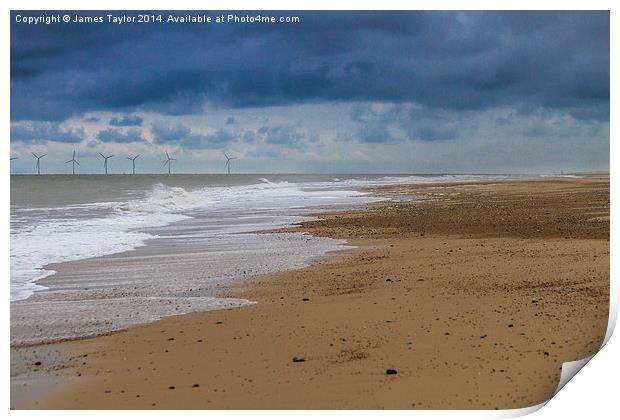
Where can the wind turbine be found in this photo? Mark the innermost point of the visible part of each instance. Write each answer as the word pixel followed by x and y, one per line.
pixel 12 159
pixel 227 164
pixel 168 161
pixel 133 164
pixel 73 162
pixel 39 162
pixel 105 162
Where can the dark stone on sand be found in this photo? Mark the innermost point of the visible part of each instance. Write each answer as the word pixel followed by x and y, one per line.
pixel 195 385
pixel 510 325
pixel 391 372
pixel 305 299
pixel 298 359
pixel 483 336
pixel 171 387
pixel 546 353
pixel 37 363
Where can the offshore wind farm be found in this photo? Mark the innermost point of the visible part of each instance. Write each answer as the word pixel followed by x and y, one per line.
pixel 73 162
pixel 167 162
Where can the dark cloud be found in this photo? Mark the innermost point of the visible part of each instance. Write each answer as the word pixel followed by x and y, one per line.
pixel 443 60
pixel 183 136
pixel 111 135
pixel 391 124
pixel 126 121
pixel 42 132
pixel 278 135
pixel 286 136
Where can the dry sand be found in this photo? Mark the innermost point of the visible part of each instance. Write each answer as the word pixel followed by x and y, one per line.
pixel 474 294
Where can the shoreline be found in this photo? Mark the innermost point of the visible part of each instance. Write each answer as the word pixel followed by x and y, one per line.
pixel 356 322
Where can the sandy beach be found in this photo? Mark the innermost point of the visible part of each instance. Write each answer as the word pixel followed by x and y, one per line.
pixel 458 296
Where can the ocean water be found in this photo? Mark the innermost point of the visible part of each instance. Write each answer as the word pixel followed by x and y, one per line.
pixel 166 244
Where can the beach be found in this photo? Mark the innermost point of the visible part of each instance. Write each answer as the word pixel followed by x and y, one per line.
pixel 466 295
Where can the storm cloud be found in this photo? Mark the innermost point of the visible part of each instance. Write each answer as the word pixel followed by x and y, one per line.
pixel 180 135
pixel 443 60
pixel 111 135
pixel 42 132
pixel 126 121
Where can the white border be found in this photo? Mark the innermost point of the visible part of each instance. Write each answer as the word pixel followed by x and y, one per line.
pixel 592 394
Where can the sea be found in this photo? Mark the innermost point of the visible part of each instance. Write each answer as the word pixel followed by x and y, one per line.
pixel 92 254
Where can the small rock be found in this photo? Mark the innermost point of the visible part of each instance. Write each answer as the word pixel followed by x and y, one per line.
pixel 195 386
pixel 305 299
pixel 391 372
pixel 37 363
pixel 298 359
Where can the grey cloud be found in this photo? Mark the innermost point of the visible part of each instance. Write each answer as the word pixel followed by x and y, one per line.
pixel 442 60
pixel 388 123
pixel 183 136
pixel 285 136
pixel 126 121
pixel 42 132
pixel 111 135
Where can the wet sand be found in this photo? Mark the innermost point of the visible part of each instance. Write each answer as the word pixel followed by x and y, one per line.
pixel 470 295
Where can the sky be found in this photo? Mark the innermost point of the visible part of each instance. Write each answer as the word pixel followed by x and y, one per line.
pixel 336 92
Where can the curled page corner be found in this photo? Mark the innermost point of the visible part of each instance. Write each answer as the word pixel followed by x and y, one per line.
pixel 570 369
pixel 519 412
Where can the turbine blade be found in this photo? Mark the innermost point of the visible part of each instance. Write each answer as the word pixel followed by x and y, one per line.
pixel 69 161
pixel 167 155
pixel 78 163
pixel 136 157
pixel 34 155
pixel 42 156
